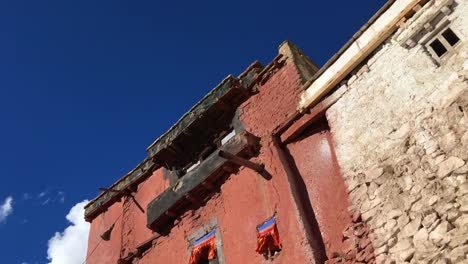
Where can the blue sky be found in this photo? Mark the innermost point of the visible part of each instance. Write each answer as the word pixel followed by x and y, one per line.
pixel 86 86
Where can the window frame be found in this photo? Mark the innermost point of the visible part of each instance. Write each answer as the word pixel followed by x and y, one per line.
pixel 200 232
pixel 437 35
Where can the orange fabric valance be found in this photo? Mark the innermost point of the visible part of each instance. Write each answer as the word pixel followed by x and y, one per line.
pixel 204 247
pixel 268 237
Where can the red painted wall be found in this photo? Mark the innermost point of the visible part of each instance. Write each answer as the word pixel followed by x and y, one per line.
pixel 275 103
pixel 238 215
pixel 134 231
pixel 246 199
pixel 315 161
pixel 130 224
pixel 100 251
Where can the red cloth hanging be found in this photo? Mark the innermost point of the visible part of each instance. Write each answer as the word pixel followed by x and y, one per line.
pixel 268 237
pixel 205 247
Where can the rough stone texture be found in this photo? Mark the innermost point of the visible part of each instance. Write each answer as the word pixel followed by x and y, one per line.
pixel 358 246
pixel 401 137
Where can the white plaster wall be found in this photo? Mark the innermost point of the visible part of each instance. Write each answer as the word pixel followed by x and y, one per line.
pixel 401 138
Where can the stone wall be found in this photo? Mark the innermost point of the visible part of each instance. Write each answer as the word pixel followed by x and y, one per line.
pixel 401 138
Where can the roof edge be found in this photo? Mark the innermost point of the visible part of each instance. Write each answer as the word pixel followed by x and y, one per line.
pixel 367 39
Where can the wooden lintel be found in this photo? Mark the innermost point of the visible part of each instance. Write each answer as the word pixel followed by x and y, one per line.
pixel 241 161
pixel 295 128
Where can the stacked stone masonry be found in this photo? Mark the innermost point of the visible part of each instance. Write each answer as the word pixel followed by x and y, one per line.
pixel 358 246
pixel 401 137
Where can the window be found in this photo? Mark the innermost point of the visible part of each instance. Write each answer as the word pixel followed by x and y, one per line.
pixel 204 250
pixel 438 48
pixel 206 261
pixel 451 37
pixel 268 241
pixel 442 44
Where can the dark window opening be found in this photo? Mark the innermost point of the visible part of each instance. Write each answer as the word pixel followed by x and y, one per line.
pixel 451 37
pixel 204 250
pixel 272 251
pixel 268 240
pixel 208 261
pixel 438 48
pixel 205 258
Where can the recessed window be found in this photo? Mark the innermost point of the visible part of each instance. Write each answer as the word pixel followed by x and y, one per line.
pixel 438 48
pixel 208 261
pixel 442 43
pixel 451 37
pixel 268 240
pixel 204 250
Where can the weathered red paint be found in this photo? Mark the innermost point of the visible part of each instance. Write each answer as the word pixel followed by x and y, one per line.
pixel 246 199
pixel 107 251
pixel 315 161
pixel 134 231
pixel 275 103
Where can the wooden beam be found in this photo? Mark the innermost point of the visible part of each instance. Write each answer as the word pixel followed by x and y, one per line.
pixel 241 161
pixel 229 169
pixel 137 203
pixel 359 50
pixel 315 113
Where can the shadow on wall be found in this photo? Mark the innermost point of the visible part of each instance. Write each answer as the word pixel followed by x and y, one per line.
pixel 315 237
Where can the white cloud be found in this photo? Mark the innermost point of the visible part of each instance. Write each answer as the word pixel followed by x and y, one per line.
pixel 69 246
pixel 48 197
pixel 6 208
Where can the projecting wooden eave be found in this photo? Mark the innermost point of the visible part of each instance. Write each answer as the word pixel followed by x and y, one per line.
pixel 197 185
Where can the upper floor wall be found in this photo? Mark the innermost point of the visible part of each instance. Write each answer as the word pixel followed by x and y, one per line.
pixel 236 193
